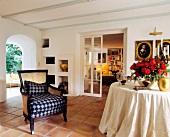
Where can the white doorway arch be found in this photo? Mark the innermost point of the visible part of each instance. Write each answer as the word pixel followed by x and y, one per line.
pixel 28 48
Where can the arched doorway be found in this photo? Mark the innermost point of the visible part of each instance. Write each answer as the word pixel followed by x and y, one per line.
pixel 28 48
pixel 13 63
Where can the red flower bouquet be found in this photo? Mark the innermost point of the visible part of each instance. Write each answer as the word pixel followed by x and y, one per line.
pixel 152 69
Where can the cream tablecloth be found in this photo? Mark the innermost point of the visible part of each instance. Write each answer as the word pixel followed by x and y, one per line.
pixel 131 113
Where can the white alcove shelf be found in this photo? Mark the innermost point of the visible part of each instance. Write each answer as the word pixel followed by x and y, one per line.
pixel 64 75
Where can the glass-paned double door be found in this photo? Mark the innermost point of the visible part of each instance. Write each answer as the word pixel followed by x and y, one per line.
pixel 93 59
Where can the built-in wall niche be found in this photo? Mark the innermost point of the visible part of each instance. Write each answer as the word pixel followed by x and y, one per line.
pixel 49 63
pixel 45 43
pixel 51 79
pixel 63 78
pixel 64 70
pixel 50 60
pixel 63 66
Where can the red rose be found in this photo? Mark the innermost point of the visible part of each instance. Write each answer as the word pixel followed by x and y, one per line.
pixel 143 70
pixel 142 64
pixel 163 66
pixel 152 62
pixel 146 67
pixel 160 71
pixel 148 71
pixel 138 64
pixel 151 59
pixel 152 68
pixel 137 74
pixel 146 64
pixel 133 66
pixel 156 65
pixel 143 61
pixel 158 61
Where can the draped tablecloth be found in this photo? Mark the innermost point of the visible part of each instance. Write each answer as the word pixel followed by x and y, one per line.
pixel 131 113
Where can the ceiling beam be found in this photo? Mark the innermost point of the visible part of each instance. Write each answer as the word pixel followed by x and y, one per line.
pixel 109 21
pixel 65 4
pixel 103 12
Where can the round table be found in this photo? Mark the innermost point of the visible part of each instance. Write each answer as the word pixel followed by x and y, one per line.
pixel 131 113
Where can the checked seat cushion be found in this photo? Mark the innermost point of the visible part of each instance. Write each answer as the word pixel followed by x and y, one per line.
pixel 46 104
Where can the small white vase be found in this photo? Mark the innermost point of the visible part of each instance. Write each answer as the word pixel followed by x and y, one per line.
pixel 140 82
pixel 153 85
pixel 143 82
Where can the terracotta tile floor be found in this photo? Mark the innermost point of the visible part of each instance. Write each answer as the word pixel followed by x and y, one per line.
pixel 84 114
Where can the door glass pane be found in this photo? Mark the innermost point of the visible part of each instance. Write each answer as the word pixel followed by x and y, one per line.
pixel 92 65
pixel 87 79
pixel 96 79
pixel 87 64
pixel 97 42
pixel 96 68
pixel 88 42
pixel 87 56
pixel 96 56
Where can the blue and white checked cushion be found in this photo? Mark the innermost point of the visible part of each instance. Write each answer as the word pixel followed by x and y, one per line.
pixel 46 104
pixel 33 88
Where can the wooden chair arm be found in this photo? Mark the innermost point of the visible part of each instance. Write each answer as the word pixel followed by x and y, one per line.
pixel 24 93
pixel 56 91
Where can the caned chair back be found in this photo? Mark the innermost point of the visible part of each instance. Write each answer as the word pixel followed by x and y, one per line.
pixel 37 76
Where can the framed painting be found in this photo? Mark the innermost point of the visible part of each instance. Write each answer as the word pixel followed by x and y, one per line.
pixel 144 49
pixel 163 49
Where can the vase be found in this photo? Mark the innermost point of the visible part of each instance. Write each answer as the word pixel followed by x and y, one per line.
pixel 143 82
pixel 64 67
pixel 153 85
pixel 164 84
pixel 150 85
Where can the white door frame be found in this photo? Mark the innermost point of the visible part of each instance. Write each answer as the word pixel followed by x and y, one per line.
pixel 101 32
pixel 92 48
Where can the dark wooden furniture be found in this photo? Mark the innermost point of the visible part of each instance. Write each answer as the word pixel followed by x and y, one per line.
pixel 108 80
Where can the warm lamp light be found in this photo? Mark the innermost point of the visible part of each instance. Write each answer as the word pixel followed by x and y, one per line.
pixel 105 69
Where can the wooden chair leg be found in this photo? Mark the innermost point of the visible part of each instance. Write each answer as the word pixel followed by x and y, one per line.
pixel 65 114
pixel 32 125
pixel 25 116
pixel 25 119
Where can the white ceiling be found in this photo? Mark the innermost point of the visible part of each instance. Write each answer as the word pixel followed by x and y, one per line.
pixel 49 14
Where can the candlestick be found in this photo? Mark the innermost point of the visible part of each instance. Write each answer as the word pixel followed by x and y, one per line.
pixel 158 50
pixel 161 43
pixel 168 50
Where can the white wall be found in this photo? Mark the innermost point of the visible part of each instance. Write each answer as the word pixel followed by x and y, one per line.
pixel 67 41
pixel 7 29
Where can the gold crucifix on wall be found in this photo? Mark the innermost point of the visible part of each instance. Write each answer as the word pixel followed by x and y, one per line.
pixel 154 33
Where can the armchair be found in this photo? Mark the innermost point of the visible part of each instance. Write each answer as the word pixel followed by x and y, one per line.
pixel 40 98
